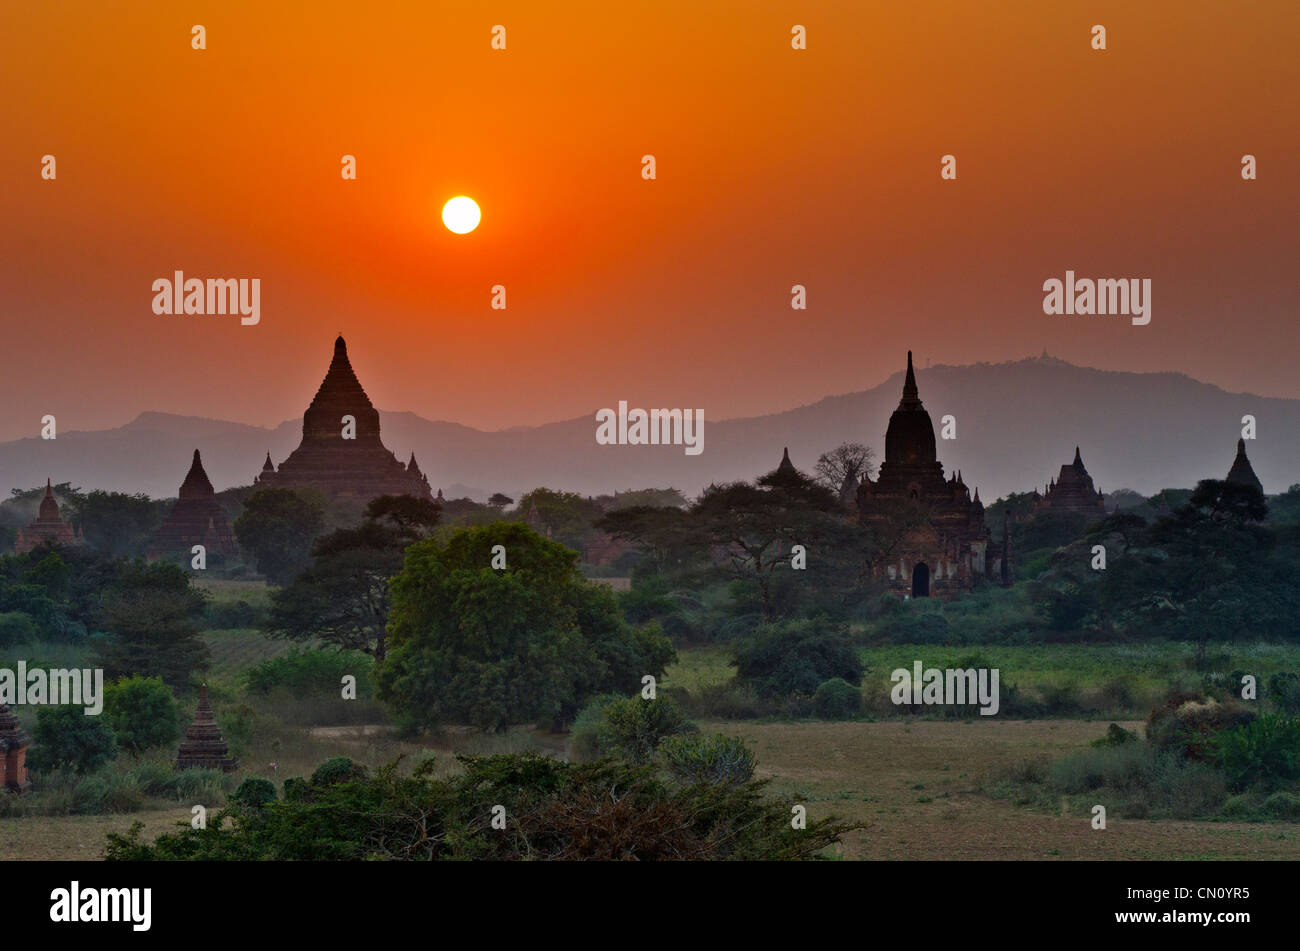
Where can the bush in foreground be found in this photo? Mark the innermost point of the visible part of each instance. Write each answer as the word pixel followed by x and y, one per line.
pixel 554 811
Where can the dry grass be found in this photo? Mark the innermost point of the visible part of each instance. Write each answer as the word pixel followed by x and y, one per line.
pixel 914 783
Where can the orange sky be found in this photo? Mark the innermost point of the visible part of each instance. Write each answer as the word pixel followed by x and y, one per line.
pixel 775 167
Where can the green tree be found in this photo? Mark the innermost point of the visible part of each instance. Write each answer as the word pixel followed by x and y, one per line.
pixel 152 614
pixel 492 647
pixel 143 713
pixel 342 597
pixel 278 526
pixel 67 738
pixel 118 524
pixel 796 657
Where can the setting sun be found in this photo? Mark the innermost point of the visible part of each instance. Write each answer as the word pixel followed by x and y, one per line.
pixel 461 215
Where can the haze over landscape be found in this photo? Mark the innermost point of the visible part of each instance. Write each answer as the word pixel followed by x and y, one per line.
pixel 1143 431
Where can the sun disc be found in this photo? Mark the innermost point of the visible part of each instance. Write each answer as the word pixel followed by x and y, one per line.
pixel 461 215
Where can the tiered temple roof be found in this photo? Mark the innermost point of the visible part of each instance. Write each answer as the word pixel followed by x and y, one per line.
pixel 203 747
pixel 48 528
pixel 197 518
pixel 359 468
pixel 1072 491
pixel 947 554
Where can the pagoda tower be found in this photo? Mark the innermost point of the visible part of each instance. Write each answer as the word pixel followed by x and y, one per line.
pixel 197 518
pixel 203 747
pixel 1242 472
pixel 13 753
pixel 1073 491
pixel 946 553
pixel 344 459
pixel 48 529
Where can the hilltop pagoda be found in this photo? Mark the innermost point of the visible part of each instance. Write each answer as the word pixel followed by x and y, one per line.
pixel 48 529
pixel 1242 473
pixel 341 454
pixel 13 753
pixel 197 518
pixel 203 747
pixel 1072 491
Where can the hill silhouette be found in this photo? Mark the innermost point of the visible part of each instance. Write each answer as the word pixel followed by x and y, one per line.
pixel 1017 423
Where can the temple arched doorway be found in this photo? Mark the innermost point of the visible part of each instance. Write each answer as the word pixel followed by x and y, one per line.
pixel 921 580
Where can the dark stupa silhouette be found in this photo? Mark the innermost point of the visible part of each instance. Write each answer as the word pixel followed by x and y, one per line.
pixel 197 518
pixel 1242 473
pixel 359 468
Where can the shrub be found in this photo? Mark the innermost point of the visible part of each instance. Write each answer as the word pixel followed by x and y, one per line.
pixel 717 759
pixel 339 769
pixel 17 628
pixel 1283 690
pixel 223 616
pixel 796 657
pixel 143 713
pixel 1186 722
pixel 589 736
pixel 311 672
pixel 1116 735
pixel 837 699
pixel 914 627
pixel 254 792
pixel 1282 805
pixel 201 786
pixel 1265 752
pixel 88 796
pixel 154 779
pixel 558 811
pixel 636 726
pixel 66 738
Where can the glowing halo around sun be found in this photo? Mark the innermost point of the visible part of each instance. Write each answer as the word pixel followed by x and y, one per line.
pixel 461 215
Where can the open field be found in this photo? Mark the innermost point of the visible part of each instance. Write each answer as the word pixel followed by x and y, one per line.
pixel 914 782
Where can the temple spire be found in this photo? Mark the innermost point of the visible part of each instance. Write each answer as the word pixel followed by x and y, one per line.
pixel 910 391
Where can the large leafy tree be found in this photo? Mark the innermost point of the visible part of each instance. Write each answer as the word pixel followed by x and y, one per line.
pixel 469 643
pixel 152 616
pixel 753 527
pixel 278 526
pixel 342 597
pixel 116 523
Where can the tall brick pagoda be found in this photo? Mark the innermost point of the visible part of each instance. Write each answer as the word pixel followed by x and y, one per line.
pixel 948 550
pixel 13 753
pixel 1072 491
pixel 360 468
pixel 48 529
pixel 1242 472
pixel 203 747
pixel 197 518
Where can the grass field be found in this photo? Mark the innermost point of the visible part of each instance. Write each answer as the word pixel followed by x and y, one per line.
pixel 914 784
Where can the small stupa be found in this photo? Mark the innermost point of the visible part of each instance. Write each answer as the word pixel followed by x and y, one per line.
pixel 203 747
pixel 48 529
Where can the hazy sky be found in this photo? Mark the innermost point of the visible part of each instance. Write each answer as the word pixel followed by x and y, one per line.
pixel 775 167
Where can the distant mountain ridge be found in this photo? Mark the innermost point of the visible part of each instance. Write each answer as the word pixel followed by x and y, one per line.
pixel 1017 423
